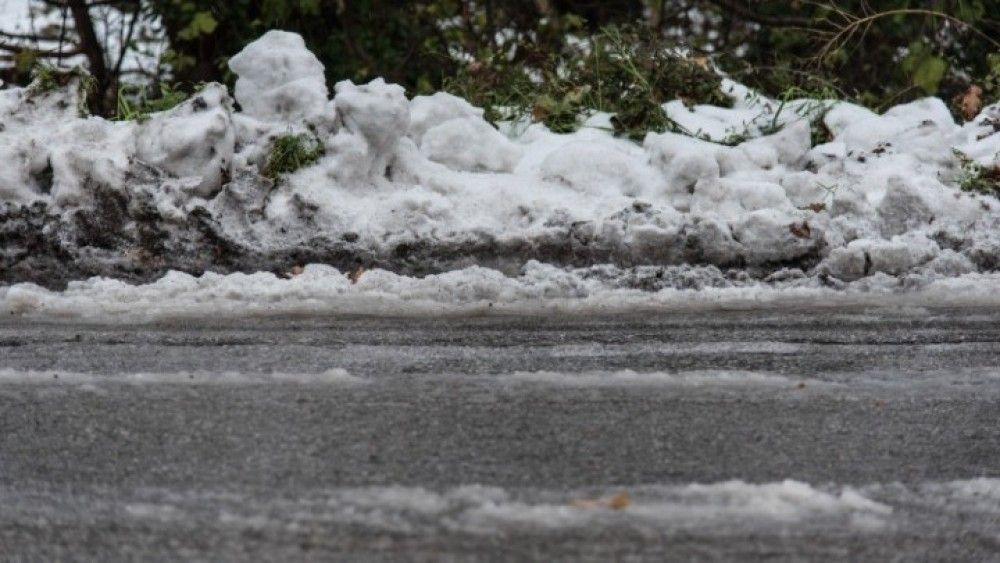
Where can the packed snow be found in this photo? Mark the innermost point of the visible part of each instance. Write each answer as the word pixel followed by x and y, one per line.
pixel 330 376
pixel 540 290
pixel 509 216
pixel 792 507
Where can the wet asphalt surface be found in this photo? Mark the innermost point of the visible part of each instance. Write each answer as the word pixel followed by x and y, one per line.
pixel 888 400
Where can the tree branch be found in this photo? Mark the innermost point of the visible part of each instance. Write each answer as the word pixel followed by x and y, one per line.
pixel 58 53
pixel 88 41
pixel 123 50
pixel 744 9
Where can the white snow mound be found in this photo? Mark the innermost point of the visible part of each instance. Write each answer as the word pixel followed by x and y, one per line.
pixel 881 198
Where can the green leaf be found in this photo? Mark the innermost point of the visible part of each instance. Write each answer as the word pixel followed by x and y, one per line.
pixel 929 73
pixel 202 23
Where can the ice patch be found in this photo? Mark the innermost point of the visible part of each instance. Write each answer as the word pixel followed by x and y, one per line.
pixel 331 376
pixel 698 378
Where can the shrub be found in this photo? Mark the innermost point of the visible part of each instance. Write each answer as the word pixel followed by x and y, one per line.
pixel 628 71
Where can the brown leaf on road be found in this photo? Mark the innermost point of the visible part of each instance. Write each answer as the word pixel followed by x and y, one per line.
pixel 617 501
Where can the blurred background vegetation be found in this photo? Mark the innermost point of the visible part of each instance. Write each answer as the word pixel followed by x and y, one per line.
pixel 544 57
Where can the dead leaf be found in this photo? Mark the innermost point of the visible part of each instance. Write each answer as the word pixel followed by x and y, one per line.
pixel 617 501
pixel 801 230
pixel 701 61
pixel 815 207
pixel 355 275
pixel 295 271
pixel 970 102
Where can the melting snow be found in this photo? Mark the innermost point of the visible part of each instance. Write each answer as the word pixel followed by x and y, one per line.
pixel 879 203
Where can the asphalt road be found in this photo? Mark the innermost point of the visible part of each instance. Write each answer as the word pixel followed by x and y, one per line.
pixel 504 438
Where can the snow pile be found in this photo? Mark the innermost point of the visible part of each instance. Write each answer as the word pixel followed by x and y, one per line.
pixel 540 290
pixel 425 185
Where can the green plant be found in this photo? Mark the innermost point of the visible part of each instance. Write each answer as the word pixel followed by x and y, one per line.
pixel 977 178
pixel 991 84
pixel 812 106
pixel 138 105
pixel 47 79
pixel 627 71
pixel 291 152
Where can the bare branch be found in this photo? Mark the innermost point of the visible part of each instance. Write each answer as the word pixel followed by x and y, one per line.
pixel 744 10
pixel 41 53
pixel 32 37
pixel 127 39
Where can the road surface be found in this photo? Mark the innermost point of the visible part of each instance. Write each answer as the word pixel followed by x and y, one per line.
pixel 862 435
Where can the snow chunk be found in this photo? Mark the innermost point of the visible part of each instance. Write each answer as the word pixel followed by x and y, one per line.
pixel 376 114
pixel 730 198
pixel 772 235
pixel 470 144
pixel 279 79
pixel 864 257
pixel 594 167
pixel 97 153
pixel 427 112
pixel 195 139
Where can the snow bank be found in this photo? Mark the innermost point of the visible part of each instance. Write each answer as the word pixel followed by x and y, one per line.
pixel 426 185
pixel 541 289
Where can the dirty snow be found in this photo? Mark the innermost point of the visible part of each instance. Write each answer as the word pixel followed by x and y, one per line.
pixel 704 509
pixel 540 290
pixel 426 186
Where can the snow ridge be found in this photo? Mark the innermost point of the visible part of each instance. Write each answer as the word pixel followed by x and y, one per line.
pixel 424 186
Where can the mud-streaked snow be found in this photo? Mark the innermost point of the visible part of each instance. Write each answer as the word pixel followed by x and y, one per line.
pixel 879 203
